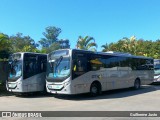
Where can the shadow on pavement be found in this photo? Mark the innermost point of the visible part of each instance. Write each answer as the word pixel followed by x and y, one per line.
pixel 3 91
pixel 33 95
pixel 119 93
pixel 111 94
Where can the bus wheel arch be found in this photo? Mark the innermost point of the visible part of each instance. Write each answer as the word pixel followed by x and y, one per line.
pixel 95 88
pixel 137 83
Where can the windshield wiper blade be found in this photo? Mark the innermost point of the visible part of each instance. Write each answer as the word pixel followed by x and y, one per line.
pixel 59 61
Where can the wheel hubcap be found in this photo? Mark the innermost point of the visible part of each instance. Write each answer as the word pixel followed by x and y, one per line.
pixel 137 84
pixel 94 89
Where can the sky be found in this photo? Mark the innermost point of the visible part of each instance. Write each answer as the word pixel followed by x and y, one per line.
pixel 105 20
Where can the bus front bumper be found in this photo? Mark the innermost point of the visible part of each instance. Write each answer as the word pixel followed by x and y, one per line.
pixel 59 89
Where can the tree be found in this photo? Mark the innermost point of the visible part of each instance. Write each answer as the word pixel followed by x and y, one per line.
pixel 64 43
pixel 51 36
pixel 156 46
pixel 86 43
pixel 50 41
pixel 5 47
pixel 139 47
pixel 105 47
pixel 123 45
pixel 20 43
pixel 130 45
pixel 54 46
pixel 113 46
pixel 4 42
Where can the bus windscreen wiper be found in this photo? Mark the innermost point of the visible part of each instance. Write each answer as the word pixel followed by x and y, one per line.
pixel 59 61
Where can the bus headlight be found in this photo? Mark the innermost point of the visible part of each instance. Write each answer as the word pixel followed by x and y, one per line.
pixel 158 79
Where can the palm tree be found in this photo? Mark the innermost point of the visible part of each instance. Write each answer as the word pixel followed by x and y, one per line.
pixel 105 47
pixel 130 45
pixel 86 43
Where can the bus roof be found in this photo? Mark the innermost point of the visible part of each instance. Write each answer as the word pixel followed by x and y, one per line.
pixel 30 53
pixel 114 54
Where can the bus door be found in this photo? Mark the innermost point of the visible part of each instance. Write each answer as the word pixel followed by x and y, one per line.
pixel 30 70
pixel 79 70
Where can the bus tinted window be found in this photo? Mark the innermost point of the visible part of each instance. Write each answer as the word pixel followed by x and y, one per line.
pixel 30 65
pixel 112 61
pixel 34 64
pixel 124 61
pixel 97 62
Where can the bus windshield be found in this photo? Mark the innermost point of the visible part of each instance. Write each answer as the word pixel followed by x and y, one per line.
pixel 58 68
pixel 15 69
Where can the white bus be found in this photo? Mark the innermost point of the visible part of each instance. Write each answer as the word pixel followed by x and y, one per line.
pixel 26 72
pixel 72 71
pixel 156 70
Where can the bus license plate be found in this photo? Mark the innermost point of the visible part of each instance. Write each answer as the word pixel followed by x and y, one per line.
pixel 56 86
pixel 11 85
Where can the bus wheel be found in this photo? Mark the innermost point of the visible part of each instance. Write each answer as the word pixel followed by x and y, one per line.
pixel 137 84
pixel 94 90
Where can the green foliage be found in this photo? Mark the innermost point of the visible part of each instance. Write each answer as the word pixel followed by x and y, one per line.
pixel 51 35
pixel 64 43
pixel 86 43
pixel 54 46
pixel 5 46
pixel 131 45
pixel 20 43
pixel 4 42
pixel 50 42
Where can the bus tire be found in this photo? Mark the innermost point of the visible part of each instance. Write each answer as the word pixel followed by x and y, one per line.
pixel 137 84
pixel 95 89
